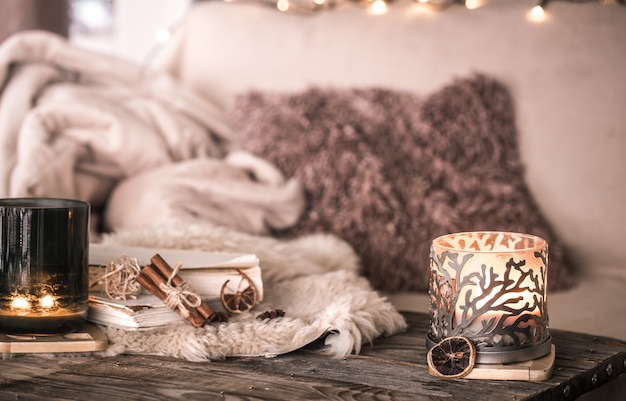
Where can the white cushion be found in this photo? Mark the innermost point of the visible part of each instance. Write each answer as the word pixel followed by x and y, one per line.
pixel 566 75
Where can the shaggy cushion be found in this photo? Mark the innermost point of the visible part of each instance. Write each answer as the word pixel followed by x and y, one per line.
pixel 388 171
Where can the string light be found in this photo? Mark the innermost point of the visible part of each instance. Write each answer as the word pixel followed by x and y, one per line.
pixel 473 4
pixel 378 7
pixel 282 5
pixel 537 13
pixel 381 6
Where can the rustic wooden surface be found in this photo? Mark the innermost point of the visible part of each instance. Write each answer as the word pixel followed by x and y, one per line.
pixel 391 369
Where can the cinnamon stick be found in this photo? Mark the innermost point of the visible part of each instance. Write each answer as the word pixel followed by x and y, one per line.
pixel 147 283
pixel 151 279
pixel 166 270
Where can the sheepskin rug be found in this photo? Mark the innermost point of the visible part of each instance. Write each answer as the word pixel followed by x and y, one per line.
pixel 314 279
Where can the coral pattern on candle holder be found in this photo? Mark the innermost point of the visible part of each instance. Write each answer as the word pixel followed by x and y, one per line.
pixel 490 287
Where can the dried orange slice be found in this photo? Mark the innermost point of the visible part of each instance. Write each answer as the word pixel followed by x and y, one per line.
pixel 452 358
pixel 237 300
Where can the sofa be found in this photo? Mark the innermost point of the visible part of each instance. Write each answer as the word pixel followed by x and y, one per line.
pixel 564 75
pixel 385 128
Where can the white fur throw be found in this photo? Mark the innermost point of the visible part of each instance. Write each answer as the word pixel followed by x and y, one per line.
pixel 314 279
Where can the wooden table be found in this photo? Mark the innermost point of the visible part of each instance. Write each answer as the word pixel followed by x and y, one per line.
pixel 392 368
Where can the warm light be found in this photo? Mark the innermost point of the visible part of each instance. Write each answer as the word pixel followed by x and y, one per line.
pixel 537 14
pixel 47 301
pixel 94 14
pixel 491 287
pixel 282 5
pixel 20 303
pixel 473 4
pixel 319 2
pixel 162 35
pixel 378 7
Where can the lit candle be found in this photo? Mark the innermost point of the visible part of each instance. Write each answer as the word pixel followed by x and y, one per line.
pixel 23 304
pixel 20 304
pixel 47 301
pixel 43 265
pixel 44 314
pixel 491 288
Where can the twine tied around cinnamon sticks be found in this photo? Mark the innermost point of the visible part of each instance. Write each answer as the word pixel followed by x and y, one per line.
pixel 179 298
pixel 165 283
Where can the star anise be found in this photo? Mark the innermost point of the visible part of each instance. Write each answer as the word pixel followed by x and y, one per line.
pixel 271 314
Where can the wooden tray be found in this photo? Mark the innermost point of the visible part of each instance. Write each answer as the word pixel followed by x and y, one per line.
pixel 90 338
pixel 534 370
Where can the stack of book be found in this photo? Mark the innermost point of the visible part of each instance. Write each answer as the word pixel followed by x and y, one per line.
pixel 206 272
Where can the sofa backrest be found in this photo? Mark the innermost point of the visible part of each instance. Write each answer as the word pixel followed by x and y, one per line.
pixel 566 75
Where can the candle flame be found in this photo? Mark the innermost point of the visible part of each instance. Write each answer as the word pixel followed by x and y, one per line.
pixel 47 301
pixel 20 303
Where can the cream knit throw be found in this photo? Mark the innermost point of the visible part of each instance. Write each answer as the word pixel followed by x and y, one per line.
pixel 313 279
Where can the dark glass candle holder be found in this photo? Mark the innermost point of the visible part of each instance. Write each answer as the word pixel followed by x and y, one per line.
pixel 44 265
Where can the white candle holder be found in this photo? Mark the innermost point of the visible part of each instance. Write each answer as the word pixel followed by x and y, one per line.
pixel 490 287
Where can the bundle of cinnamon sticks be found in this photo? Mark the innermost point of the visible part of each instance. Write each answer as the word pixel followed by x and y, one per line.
pixel 161 280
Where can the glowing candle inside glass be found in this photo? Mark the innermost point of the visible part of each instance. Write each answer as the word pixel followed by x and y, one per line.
pixel 47 302
pixel 23 305
pixel 44 247
pixel 20 304
pixel 491 288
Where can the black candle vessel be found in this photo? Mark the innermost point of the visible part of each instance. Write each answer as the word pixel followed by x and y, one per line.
pixel 44 262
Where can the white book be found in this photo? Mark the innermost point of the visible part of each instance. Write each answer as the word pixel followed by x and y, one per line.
pixel 206 272
pixel 144 312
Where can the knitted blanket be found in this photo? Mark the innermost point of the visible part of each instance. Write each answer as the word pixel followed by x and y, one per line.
pixel 131 141
pixel 389 171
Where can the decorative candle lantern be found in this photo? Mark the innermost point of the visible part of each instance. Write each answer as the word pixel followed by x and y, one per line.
pixel 490 287
pixel 44 262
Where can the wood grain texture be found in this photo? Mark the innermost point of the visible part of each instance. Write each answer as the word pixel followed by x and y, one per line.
pixel 391 368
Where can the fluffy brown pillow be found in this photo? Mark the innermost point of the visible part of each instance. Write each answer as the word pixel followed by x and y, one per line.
pixel 388 171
